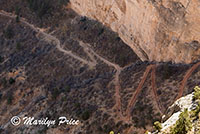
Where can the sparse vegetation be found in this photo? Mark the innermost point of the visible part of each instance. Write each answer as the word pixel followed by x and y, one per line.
pixel 77 105
pixel 11 81
pixel 55 93
pixel 183 124
pixel 1 59
pixel 4 82
pixel 85 115
pixel 195 112
pixel 40 7
pixel 167 71
pixel 17 10
pixel 17 19
pixel 107 128
pixel 8 32
pixel 9 98
pixel 43 130
pixel 63 2
pixel 196 97
pixel 196 93
pixel 157 126
pixel 18 46
pixel 67 89
pixel 0 96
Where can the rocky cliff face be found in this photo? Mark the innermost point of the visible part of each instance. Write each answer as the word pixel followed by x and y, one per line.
pixel 174 114
pixel 160 30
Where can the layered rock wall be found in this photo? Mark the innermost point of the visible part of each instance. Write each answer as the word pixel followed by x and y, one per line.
pixel 160 30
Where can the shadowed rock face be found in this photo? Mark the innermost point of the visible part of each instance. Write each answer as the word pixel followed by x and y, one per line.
pixel 160 30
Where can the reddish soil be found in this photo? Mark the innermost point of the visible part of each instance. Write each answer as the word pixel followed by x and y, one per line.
pixel 186 77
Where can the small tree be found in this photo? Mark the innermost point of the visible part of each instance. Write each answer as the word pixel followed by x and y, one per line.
pixel 55 93
pixel 1 59
pixel 86 115
pixel 11 81
pixel 8 32
pixel 4 82
pixel 9 98
pixel 157 126
pixel 18 46
pixel 196 111
pixel 17 19
pixel 112 132
pixel 40 7
pixel 196 93
pixel 17 10
pixel 183 124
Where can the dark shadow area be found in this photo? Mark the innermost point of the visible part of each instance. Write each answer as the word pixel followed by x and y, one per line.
pixel 44 82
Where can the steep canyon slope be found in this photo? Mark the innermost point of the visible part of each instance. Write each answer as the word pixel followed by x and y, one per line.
pixel 55 62
pixel 159 30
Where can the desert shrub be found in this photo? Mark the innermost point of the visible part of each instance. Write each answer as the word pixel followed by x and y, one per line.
pixel 183 124
pixel 11 81
pixel 42 131
pixel 167 72
pixel 17 10
pixel 18 46
pixel 195 112
pixel 85 115
pixel 1 130
pixel 17 19
pixel 4 82
pixel 8 32
pixel 1 96
pixel 101 32
pixel 157 126
pixel 63 2
pixel 107 128
pixel 77 105
pixel 196 93
pixel 9 98
pixel 67 89
pixel 55 93
pixel 1 59
pixel 40 7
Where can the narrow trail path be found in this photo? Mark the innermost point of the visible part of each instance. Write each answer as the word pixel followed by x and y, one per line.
pixel 87 50
pixel 138 90
pixel 154 88
pixel 116 82
pixel 49 38
pixel 186 77
pixel 94 56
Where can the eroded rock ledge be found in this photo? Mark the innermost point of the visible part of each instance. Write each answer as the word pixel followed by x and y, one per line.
pixel 160 30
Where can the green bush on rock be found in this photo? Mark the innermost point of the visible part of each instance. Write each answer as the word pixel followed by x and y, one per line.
pixel 183 124
pixel 196 93
pixel 157 126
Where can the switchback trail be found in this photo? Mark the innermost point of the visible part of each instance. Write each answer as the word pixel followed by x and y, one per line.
pixel 154 88
pixel 186 77
pixel 138 90
pixel 92 54
pixel 116 82
pixel 87 48
pixel 49 38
